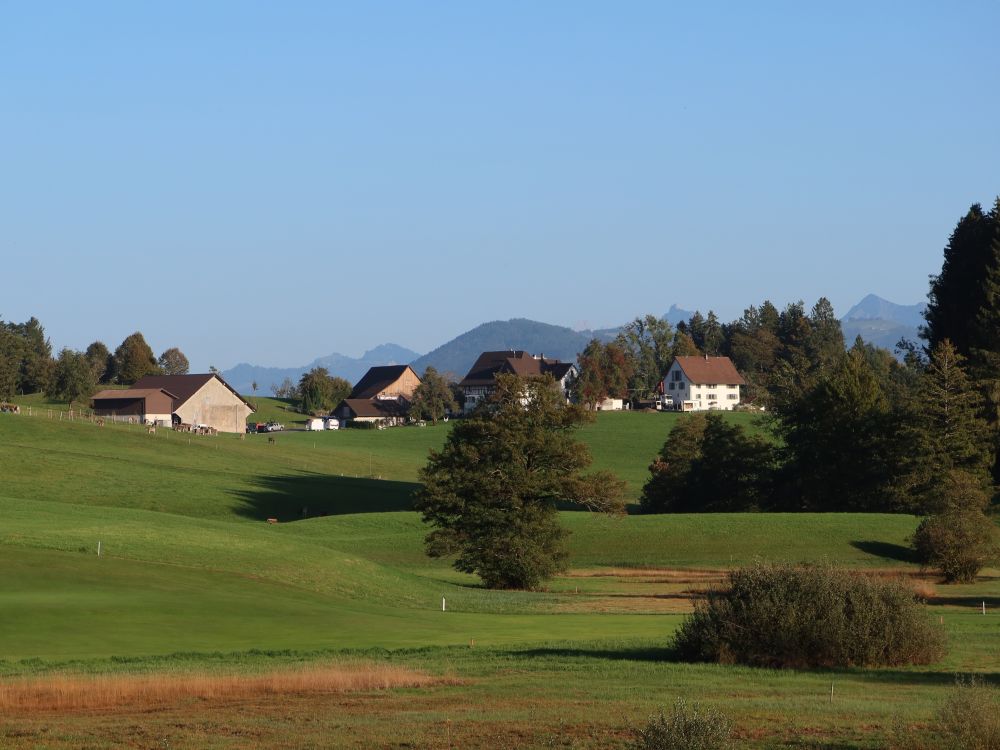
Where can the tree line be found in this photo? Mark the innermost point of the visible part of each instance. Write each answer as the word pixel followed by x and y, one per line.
pixel 860 430
pixel 778 352
pixel 27 364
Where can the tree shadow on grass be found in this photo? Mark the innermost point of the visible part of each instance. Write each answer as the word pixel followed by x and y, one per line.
pixel 886 550
pixel 667 654
pixel 291 497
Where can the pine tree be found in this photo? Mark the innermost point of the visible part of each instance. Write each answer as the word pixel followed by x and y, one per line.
pixel 841 439
pixel 955 298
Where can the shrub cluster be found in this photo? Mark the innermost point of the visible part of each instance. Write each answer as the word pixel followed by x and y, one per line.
pixel 686 727
pixel 809 616
pixel 969 719
pixel 959 543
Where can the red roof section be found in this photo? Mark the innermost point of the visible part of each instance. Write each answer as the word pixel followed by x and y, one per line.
pixel 710 370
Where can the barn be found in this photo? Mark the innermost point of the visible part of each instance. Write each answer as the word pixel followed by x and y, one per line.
pixel 201 400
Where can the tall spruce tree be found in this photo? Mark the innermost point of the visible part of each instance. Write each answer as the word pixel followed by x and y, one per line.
pixel 956 298
pixel 945 435
pixel 840 439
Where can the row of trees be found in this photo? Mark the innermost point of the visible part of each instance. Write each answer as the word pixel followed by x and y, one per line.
pixel 779 353
pixel 27 364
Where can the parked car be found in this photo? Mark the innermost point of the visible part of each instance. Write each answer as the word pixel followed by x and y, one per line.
pixel 332 423
pixel 314 424
pixel 274 427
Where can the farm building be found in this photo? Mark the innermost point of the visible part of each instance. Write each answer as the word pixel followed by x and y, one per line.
pixel 382 395
pixel 702 383
pixel 193 399
pixel 480 382
pixel 145 405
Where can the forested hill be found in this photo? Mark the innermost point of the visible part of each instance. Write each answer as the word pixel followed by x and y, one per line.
pixel 459 354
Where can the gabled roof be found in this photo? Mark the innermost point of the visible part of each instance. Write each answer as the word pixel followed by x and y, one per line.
pixel 378 379
pixel 366 407
pixel 184 386
pixel 490 364
pixel 127 394
pixel 710 370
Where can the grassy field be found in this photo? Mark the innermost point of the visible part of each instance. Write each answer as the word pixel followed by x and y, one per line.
pixel 192 578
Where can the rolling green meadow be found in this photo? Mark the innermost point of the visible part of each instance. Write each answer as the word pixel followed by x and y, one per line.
pixel 192 577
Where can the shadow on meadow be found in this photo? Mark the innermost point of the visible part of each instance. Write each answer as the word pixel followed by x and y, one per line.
pixel 291 497
pixel 886 551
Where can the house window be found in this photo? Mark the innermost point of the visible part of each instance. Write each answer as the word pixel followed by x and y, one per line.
pixel 733 396
pixel 709 395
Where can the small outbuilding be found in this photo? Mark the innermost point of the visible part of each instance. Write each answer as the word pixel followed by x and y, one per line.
pixel 144 405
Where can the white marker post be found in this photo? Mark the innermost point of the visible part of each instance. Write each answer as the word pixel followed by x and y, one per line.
pixel 444 605
pixel 98 547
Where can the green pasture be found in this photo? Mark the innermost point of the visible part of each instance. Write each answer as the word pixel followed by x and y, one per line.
pixel 191 574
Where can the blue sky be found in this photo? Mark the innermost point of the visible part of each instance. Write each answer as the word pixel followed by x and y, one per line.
pixel 271 182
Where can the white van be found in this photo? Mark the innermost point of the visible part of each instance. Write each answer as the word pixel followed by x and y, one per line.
pixel 314 424
pixel 332 423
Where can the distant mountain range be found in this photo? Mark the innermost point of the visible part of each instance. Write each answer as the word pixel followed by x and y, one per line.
pixel 882 323
pixel 875 319
pixel 242 376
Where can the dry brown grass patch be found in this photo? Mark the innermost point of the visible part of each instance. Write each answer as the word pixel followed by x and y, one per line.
pixel 74 692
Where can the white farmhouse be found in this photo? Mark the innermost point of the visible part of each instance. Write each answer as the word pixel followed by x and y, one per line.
pixel 702 383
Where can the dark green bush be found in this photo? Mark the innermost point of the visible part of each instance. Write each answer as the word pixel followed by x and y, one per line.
pixel 809 616
pixel 958 543
pixel 686 727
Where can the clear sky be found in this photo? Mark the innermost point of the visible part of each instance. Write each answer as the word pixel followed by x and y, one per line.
pixel 271 182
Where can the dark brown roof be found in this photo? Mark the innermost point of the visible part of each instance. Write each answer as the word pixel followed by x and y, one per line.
pixel 491 364
pixel 378 379
pixel 710 370
pixel 373 407
pixel 183 386
pixel 126 394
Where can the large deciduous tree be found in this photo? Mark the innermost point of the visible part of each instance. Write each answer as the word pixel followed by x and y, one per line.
pixel 100 360
pixel 134 359
pixel 73 378
pixel 491 493
pixel 173 362
pixel 648 343
pixel 605 370
pixel 319 391
pixel 433 399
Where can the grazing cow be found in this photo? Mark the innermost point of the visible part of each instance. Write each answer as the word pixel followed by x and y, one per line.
pixel 270 441
pixel 151 430
pixel 100 423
